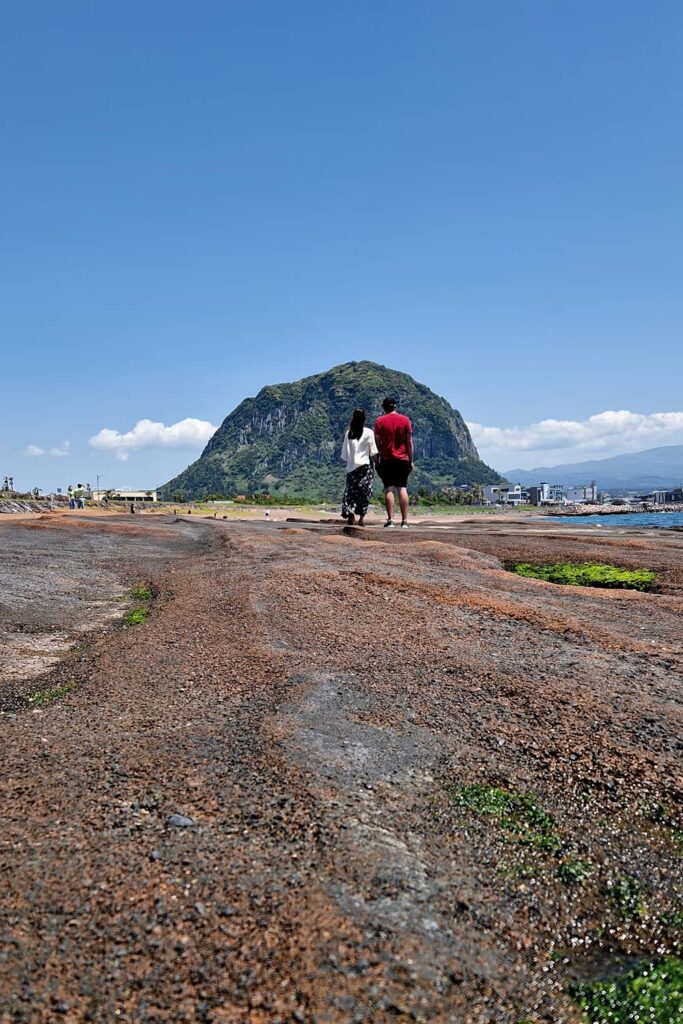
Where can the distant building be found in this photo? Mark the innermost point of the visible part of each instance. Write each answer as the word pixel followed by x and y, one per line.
pixel 583 493
pixel 123 494
pixel 505 494
pixel 546 494
pixel 673 497
pixel 653 498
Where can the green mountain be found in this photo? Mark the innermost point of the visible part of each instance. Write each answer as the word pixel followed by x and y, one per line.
pixel 288 439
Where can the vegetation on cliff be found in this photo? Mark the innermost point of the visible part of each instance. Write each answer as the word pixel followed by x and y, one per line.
pixel 287 439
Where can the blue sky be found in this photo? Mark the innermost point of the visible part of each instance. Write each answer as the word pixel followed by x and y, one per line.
pixel 198 200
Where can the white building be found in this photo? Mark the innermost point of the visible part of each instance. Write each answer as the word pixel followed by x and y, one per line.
pixel 547 494
pixel 505 494
pixel 583 493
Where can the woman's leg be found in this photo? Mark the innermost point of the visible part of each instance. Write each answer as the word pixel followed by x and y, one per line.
pixel 348 502
pixel 364 494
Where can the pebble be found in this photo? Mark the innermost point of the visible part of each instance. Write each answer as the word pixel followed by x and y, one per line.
pixel 179 820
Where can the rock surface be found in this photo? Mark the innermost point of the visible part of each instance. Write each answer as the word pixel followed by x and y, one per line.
pixel 312 698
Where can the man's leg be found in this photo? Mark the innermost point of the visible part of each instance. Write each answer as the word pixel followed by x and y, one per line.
pixel 389 501
pixel 404 502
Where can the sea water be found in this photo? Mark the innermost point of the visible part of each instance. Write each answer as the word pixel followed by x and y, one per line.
pixel 664 520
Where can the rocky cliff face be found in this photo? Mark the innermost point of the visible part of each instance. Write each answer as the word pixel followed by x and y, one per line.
pixel 288 438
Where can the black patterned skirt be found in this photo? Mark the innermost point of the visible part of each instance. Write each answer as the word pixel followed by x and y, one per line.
pixel 358 491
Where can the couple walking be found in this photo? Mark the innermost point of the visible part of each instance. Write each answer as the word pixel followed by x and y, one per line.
pixel 390 448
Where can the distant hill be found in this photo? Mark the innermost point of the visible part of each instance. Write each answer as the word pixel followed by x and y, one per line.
pixel 288 438
pixel 635 471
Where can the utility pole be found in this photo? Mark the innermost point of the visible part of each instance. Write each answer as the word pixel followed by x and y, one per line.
pixel 99 475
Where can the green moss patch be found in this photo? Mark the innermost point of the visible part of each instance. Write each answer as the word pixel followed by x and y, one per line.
pixel 573 871
pixel 519 814
pixel 588 574
pixel 651 993
pixel 142 592
pixel 136 616
pixel 42 697
pixel 627 894
pixel 668 818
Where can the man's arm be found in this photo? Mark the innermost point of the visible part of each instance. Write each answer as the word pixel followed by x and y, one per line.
pixel 409 443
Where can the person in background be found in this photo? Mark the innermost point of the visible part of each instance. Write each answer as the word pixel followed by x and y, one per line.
pixel 394 436
pixel 358 452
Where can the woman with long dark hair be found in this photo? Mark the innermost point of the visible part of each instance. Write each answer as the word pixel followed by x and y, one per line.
pixel 358 452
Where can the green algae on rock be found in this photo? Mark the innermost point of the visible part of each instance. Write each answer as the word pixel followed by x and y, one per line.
pixel 42 697
pixel 136 616
pixel 651 993
pixel 517 813
pixel 588 574
pixel 627 893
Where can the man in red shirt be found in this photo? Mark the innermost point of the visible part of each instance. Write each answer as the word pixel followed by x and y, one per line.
pixel 394 437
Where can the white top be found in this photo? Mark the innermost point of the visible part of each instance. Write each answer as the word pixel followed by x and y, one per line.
pixel 358 452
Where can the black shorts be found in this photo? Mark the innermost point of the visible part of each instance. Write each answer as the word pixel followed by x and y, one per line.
pixel 394 472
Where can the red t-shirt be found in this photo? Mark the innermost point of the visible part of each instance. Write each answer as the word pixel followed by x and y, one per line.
pixel 392 432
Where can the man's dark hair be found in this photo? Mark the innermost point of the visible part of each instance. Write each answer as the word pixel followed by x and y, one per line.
pixel 389 404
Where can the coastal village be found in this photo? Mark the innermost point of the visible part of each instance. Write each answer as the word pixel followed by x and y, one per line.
pixel 557 495
pixel 578 498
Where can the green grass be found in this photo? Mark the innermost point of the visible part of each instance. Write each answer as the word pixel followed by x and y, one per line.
pixel 672 919
pixel 136 616
pixel 37 700
pixel 573 871
pixel 519 814
pixel 627 895
pixel 142 592
pixel 651 993
pixel 669 818
pixel 589 574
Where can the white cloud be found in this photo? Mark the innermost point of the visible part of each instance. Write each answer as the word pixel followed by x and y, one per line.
pixel 606 433
pixel 58 452
pixel 188 433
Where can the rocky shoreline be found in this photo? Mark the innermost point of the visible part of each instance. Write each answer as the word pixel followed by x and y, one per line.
pixel 610 510
pixel 15 506
pixel 232 814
